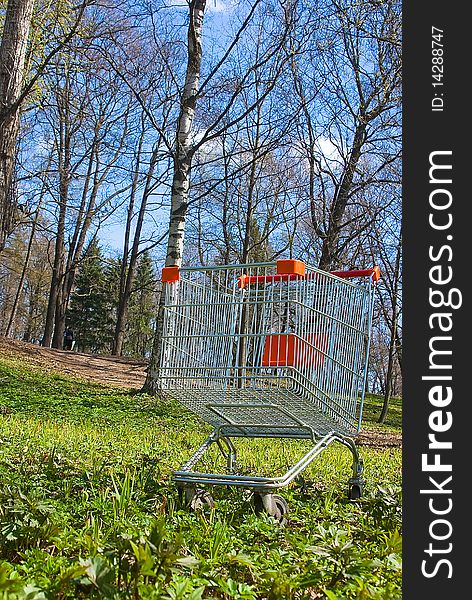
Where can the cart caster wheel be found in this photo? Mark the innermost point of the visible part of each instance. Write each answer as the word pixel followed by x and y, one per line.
pixel 355 490
pixel 201 500
pixel 272 504
pixel 196 499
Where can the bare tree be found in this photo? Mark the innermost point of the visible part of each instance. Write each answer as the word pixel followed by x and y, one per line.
pixel 12 66
pixel 186 147
pixel 366 32
pixel 347 95
pixel 390 307
pixel 24 271
pixel 24 279
pixel 17 85
pixel 88 116
pixel 131 255
pixel 241 189
pixel 182 162
pixel 183 140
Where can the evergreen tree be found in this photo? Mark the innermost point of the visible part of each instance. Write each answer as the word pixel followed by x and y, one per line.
pixel 142 310
pixel 90 314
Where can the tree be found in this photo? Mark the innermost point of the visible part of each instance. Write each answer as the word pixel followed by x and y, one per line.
pixel 90 314
pixel 183 139
pixel 182 158
pixel 390 306
pixel 347 89
pixel 57 27
pixel 142 309
pixel 24 271
pixel 132 243
pixel 24 280
pixel 87 118
pixel 186 145
pixel 240 197
pixel 13 48
pixel 11 267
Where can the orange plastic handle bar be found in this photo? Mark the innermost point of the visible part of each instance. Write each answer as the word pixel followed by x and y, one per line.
pixel 245 280
pixel 374 273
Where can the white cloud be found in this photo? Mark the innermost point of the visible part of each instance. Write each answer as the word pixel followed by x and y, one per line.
pixel 220 6
pixel 327 149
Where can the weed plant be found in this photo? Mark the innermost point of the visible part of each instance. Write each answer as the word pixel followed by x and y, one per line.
pixel 88 509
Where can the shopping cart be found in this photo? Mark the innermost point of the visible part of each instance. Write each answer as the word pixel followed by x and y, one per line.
pixel 272 350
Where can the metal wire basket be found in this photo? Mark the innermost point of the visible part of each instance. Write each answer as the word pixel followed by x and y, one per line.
pixel 273 350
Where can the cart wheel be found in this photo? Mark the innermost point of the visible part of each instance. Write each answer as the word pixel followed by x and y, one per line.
pixel 272 504
pixel 355 491
pixel 198 499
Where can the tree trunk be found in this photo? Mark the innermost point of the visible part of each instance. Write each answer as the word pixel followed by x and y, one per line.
pixel 12 64
pixel 393 337
pixel 51 335
pixel 184 150
pixel 14 309
pixel 59 318
pixel 329 258
pixel 56 279
pixel 121 317
pixel 28 256
pixel 182 167
pixel 122 313
pixel 69 271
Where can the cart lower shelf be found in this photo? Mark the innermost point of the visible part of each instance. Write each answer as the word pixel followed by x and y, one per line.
pixel 188 480
pixel 263 412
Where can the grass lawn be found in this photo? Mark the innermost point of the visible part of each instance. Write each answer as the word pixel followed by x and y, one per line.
pixel 87 508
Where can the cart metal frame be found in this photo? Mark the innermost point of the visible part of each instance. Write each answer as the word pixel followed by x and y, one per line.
pixel 268 350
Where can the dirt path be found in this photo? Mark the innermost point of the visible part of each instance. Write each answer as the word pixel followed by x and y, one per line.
pixel 129 374
pixel 108 370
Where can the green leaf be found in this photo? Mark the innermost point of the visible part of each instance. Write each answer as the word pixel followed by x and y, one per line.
pixel 331 595
pixel 71 573
pixel 144 558
pixel 241 559
pixel 9 580
pixel 31 592
pixel 101 575
pixel 189 562
pixel 8 531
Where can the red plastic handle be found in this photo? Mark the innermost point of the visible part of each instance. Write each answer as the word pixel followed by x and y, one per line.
pixel 245 280
pixel 374 273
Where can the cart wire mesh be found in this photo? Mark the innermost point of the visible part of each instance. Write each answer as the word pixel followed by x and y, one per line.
pixel 260 352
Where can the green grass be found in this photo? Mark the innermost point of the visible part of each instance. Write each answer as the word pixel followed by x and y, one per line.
pixel 87 508
pixel 372 409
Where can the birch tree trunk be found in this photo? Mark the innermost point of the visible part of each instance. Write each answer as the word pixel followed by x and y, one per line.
pixel 182 167
pixel 12 64
pixel 184 149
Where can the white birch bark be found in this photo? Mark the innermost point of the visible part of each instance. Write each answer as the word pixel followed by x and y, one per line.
pixel 182 168
pixel 184 149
